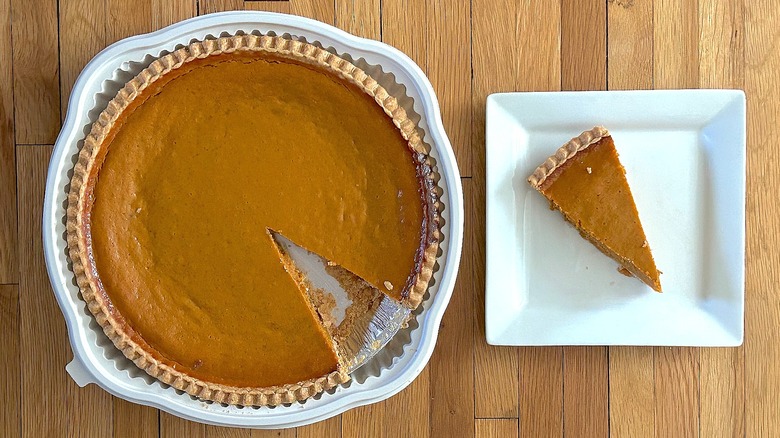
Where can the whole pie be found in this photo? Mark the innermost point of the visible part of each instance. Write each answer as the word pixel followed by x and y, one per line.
pixel 586 182
pixel 185 174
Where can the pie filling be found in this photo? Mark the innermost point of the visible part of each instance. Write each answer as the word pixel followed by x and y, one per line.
pixel 201 164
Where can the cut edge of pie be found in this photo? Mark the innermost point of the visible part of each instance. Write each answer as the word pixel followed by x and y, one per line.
pixel 85 170
pixel 547 173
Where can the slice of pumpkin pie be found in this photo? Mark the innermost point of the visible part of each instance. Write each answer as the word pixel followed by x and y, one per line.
pixel 585 181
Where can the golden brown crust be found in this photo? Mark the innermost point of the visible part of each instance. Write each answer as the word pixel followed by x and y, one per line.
pixel 85 171
pixel 566 152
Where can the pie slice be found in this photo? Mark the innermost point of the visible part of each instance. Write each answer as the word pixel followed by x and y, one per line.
pixel 585 181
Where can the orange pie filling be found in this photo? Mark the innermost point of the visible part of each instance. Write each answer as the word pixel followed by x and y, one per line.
pixel 200 165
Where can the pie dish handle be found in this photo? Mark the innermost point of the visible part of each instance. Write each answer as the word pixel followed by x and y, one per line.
pixel 78 372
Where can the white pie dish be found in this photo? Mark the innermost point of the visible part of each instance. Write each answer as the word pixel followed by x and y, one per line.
pixel 95 358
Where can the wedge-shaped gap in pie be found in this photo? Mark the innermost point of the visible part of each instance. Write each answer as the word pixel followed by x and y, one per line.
pixel 359 318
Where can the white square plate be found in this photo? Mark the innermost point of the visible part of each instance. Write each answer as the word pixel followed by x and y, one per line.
pixel 684 155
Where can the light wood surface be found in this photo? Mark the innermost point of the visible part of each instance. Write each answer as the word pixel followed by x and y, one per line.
pixel 468 49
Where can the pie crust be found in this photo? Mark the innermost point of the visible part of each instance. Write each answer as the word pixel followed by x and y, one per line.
pixel 87 166
pixel 564 153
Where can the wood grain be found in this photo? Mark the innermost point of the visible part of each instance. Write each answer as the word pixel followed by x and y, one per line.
pixel 36 78
pixel 586 391
pixel 270 6
pixel 677 392
pixel 43 341
pixel 583 45
pixel 630 45
pixel 227 432
pixel 631 369
pixel 361 18
pixel 496 382
pixel 450 38
pixel 721 65
pixel 82 35
pixel 631 392
pixel 10 369
pixel 498 428
pixel 209 6
pixel 452 401
pixel 322 10
pixel 124 19
pixel 9 262
pixel 541 392
pixel 167 12
pixel 330 428
pixel 762 304
pixel 173 426
pixel 135 421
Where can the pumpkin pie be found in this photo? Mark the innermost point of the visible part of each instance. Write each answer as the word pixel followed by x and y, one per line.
pixel 585 181
pixel 184 174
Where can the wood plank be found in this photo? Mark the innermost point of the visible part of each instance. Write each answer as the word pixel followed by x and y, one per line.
pixel 586 377
pixel 762 304
pixel 452 390
pixel 630 67
pixel 631 392
pixel 630 45
pixel 498 428
pixel 676 392
pixel 721 65
pixel 36 82
pixel 10 371
pixel 405 27
pixel 323 10
pixel 135 421
pixel 449 69
pixel 676 65
pixel 495 368
pixel 541 392
pixel 227 432
pixel 270 6
pixel 361 18
pixel 209 6
pixel 43 342
pixel 167 12
pixel 675 44
pixel 82 35
pixel 584 67
pixel 330 428
pixel 124 19
pixel 174 427
pixel 364 421
pixel 9 262
pixel 43 339
pixel 583 45
pixel 414 404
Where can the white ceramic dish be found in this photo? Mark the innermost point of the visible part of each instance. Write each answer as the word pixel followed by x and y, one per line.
pixel 95 358
pixel 684 154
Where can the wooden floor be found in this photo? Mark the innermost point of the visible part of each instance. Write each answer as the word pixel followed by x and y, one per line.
pixel 468 49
